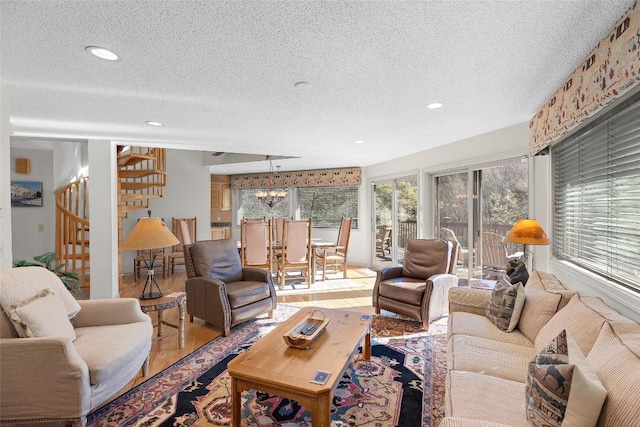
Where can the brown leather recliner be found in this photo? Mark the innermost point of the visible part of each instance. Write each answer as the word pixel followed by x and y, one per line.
pixel 220 291
pixel 418 289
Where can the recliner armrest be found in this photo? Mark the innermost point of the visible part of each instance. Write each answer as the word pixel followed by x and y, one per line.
pixel 116 311
pixel 256 275
pixel 390 273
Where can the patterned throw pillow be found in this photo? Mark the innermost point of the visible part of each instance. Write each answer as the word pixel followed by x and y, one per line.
pixel 561 388
pixel 505 305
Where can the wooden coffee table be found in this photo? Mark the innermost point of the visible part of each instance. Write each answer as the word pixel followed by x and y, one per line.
pixel 271 366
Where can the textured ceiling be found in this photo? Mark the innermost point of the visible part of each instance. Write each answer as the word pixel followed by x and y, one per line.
pixel 220 75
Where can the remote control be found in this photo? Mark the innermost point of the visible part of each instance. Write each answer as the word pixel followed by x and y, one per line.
pixel 307 330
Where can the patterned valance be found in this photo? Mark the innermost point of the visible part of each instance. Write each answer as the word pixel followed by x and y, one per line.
pixel 609 71
pixel 310 178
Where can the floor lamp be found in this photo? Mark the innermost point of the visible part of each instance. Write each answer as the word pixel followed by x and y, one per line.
pixel 148 234
pixel 527 231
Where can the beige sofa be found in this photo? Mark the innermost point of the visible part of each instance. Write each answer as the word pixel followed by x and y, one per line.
pixel 61 358
pixel 487 367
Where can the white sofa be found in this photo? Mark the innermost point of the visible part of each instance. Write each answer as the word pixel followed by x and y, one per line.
pixel 488 367
pixel 61 358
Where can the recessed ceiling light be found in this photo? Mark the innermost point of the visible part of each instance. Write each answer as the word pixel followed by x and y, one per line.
pixel 358 141
pixel 102 53
pixel 434 105
pixel 152 123
pixel 301 85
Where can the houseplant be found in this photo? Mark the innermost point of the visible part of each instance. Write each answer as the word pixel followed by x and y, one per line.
pixel 70 279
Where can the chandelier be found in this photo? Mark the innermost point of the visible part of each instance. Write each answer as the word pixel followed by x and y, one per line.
pixel 270 196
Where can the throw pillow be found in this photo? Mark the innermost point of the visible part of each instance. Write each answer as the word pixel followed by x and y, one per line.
pixel 505 305
pixel 42 315
pixel 561 388
pixel 615 357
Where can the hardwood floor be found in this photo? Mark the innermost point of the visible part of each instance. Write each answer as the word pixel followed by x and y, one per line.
pixel 353 293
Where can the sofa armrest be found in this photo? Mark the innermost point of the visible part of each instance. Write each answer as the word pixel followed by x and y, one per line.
pixel 468 422
pixel 25 378
pixel 469 300
pixel 116 311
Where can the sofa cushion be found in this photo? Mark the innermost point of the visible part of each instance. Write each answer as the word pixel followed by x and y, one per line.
pixel 561 387
pixel 405 289
pixel 485 356
pixel 106 349
pixel 19 284
pixel 461 323
pixel 583 318
pixel 473 395
pixel 544 296
pixel 42 315
pixel 247 292
pixel 505 305
pixel 615 357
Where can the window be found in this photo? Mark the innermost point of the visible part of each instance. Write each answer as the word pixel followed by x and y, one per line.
pixel 250 207
pixel 327 205
pixel 596 175
pixel 324 205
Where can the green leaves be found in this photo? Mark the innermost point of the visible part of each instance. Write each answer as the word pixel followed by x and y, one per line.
pixel 70 279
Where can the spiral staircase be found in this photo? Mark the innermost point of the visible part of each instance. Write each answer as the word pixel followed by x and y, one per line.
pixel 141 177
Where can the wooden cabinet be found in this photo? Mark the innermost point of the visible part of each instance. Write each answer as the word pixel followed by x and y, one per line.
pixel 226 197
pixel 218 233
pixel 220 196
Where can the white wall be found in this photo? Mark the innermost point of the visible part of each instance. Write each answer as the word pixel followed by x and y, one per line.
pixel 33 227
pixel 6 255
pixel 187 195
pixel 55 164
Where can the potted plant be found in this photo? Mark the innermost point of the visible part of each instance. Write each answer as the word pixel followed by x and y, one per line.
pixel 71 279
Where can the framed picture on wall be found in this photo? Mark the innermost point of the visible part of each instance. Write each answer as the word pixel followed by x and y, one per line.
pixel 26 193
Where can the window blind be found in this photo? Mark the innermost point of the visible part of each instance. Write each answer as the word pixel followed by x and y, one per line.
pixel 596 175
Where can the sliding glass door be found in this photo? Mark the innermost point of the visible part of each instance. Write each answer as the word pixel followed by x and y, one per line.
pixel 395 209
pixel 477 207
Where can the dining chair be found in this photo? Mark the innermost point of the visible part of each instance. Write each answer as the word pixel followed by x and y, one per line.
pixel 336 256
pixel 256 243
pixel 184 229
pixel 296 249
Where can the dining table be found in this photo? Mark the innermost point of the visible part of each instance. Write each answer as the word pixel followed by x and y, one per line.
pixel 316 243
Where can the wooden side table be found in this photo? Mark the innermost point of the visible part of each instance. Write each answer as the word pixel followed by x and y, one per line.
pixel 175 299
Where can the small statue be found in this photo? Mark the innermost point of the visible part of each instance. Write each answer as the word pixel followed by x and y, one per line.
pixel 517 272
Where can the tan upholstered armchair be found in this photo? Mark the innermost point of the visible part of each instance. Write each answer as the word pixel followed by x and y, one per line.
pixel 54 369
pixel 220 291
pixel 419 288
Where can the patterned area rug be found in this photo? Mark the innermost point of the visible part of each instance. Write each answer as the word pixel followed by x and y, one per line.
pixel 402 385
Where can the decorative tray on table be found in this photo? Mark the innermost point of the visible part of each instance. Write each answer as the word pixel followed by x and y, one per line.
pixel 307 331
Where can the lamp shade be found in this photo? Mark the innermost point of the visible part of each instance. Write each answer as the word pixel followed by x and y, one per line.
pixel 528 232
pixel 149 233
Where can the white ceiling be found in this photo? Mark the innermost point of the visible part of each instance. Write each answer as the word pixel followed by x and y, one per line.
pixel 220 74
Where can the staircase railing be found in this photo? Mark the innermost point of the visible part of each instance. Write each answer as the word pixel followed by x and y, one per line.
pixel 72 228
pixel 142 176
